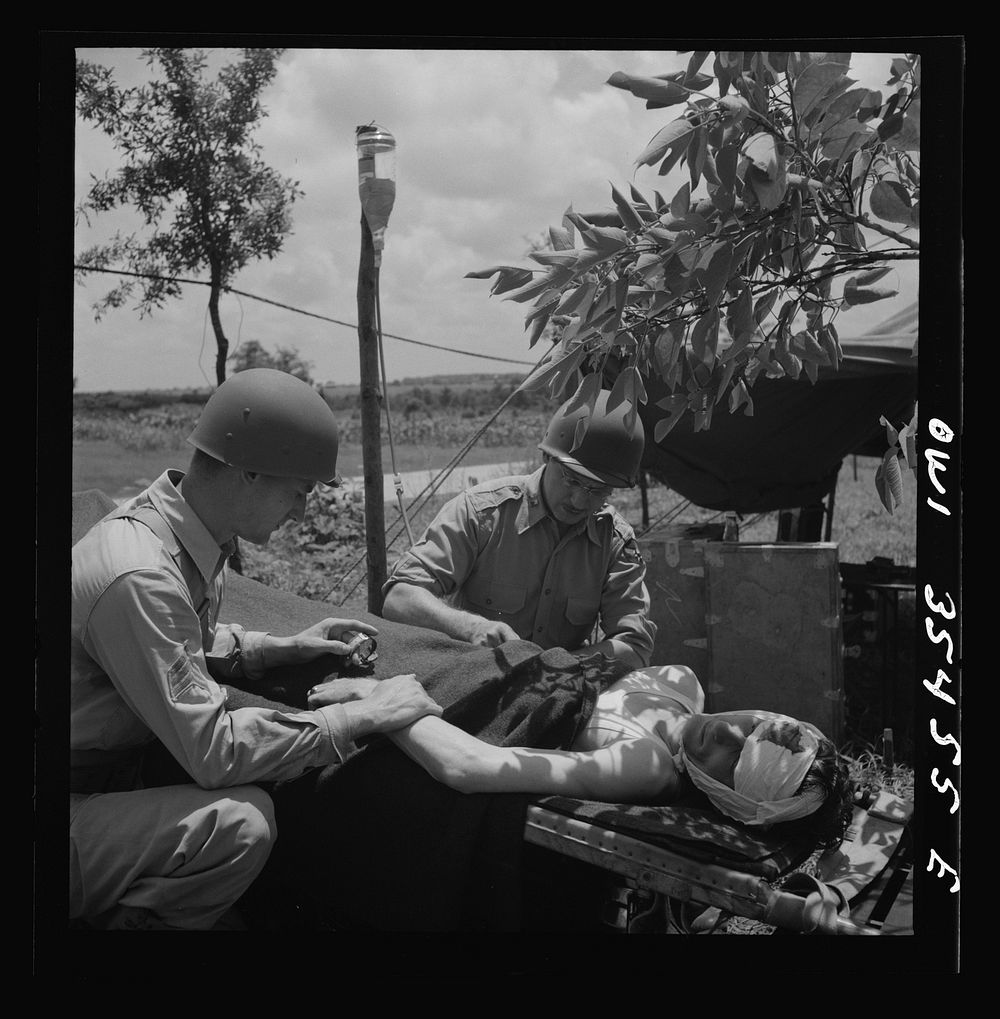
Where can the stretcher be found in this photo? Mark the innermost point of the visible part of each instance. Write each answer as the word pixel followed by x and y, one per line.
pixel 697 865
pixel 672 863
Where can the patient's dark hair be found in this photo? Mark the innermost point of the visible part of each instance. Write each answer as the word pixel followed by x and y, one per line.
pixel 829 774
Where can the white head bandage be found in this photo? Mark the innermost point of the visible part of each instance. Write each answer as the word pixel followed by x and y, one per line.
pixel 774 761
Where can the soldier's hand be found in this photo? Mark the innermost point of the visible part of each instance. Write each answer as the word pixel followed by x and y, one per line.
pixel 340 691
pixel 332 636
pixel 391 704
pixel 329 636
pixel 491 632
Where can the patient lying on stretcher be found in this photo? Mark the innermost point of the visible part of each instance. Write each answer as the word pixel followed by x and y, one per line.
pixel 647 741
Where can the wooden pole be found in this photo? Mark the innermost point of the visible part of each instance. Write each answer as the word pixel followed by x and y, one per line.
pixel 371 421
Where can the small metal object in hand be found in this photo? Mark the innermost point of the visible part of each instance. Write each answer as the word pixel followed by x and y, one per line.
pixel 362 650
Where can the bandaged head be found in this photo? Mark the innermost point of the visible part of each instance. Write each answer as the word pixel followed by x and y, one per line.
pixel 774 760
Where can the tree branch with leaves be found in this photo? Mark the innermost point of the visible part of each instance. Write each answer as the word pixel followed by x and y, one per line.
pixel 192 170
pixel 733 277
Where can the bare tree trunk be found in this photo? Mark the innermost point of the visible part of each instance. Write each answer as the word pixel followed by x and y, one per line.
pixel 221 343
pixel 222 353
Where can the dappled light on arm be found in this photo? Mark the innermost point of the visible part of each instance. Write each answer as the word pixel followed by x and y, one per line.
pixel 628 771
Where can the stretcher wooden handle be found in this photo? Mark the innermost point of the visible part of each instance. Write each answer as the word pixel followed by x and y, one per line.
pixel 808 906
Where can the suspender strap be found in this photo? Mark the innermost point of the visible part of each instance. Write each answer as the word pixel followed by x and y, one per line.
pixel 147 515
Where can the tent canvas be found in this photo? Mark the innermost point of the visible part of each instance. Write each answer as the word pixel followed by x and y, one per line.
pixel 788 454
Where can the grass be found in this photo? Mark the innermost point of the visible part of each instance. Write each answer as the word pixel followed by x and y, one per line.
pixel 121 452
pixel 118 471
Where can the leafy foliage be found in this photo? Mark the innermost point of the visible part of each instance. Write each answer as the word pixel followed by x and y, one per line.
pixel 798 168
pixel 191 168
pixel 252 354
pixel 902 452
pixel 137 428
pixel 308 559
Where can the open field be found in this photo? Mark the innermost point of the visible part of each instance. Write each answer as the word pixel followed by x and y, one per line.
pixel 121 453
pixel 121 472
pixel 122 450
pixel 122 441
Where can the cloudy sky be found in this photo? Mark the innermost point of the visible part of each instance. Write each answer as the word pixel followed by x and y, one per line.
pixel 493 145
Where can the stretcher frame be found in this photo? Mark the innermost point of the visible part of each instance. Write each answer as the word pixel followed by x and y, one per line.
pixel 819 905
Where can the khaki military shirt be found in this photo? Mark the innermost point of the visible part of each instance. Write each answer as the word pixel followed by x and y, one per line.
pixel 495 551
pixel 144 624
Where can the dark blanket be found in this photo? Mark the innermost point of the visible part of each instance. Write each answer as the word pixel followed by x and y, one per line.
pixel 375 843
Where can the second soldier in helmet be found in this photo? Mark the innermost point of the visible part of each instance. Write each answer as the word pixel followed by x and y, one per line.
pixel 539 557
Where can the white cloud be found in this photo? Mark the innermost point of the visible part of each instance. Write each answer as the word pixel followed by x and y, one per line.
pixel 493 145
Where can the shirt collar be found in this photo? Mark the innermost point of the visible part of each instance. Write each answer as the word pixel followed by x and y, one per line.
pixel 195 537
pixel 532 510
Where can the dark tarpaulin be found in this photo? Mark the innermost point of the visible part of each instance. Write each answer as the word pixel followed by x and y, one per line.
pixel 788 453
pixel 377 844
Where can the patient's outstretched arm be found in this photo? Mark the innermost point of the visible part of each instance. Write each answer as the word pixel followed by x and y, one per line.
pixel 628 771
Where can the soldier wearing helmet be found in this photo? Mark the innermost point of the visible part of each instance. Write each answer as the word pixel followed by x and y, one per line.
pixel 541 557
pixel 148 583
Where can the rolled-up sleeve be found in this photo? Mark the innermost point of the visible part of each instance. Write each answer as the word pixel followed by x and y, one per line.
pixel 625 601
pixel 446 552
pixel 144 633
pixel 236 651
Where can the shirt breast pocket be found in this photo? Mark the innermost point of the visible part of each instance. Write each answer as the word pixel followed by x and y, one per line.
pixel 581 611
pixel 186 682
pixel 496 599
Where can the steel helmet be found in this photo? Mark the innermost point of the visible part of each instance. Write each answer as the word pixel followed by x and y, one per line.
pixel 270 422
pixel 608 452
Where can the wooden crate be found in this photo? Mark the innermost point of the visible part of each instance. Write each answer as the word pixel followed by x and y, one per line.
pixel 675 576
pixel 773 616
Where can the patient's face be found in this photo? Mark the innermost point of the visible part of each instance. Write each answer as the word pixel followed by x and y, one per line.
pixel 713 743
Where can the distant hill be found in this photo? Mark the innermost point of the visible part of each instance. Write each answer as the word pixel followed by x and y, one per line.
pixel 479 390
pixel 474 380
pixel 139 399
